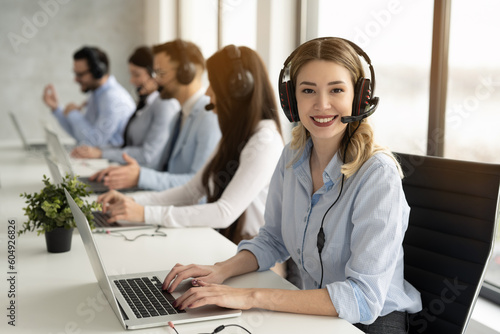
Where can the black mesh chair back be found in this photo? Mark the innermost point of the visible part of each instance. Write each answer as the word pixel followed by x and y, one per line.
pixel 450 237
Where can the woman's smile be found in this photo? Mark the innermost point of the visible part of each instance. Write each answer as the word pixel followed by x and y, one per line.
pixel 324 121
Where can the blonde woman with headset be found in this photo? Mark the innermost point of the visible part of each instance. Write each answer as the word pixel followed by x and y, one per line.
pixel 336 206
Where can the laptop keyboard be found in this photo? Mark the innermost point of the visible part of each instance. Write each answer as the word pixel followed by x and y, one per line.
pixel 96 186
pixel 146 297
pixel 100 219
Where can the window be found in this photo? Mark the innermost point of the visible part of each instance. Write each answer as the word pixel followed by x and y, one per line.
pixel 472 116
pixel 397 36
pixel 239 23
pixel 199 24
pixel 401 57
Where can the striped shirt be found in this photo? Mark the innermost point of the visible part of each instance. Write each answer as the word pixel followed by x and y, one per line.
pixel 363 254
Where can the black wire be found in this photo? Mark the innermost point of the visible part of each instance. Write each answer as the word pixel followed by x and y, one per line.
pixel 222 327
pixel 321 230
pixel 156 233
pixel 321 234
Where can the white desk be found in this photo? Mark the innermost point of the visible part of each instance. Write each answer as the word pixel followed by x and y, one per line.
pixel 58 293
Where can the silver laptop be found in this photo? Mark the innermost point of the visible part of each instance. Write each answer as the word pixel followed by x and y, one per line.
pixel 100 218
pixel 117 289
pixel 61 156
pixel 38 146
pixel 54 170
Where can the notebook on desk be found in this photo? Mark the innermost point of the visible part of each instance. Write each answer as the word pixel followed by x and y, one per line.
pixel 37 146
pixel 127 294
pixel 61 156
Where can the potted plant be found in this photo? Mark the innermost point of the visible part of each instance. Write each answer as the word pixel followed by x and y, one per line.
pixel 48 212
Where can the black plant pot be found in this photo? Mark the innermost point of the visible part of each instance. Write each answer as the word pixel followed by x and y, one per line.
pixel 59 240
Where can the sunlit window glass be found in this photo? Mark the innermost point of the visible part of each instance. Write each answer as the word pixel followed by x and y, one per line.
pixel 200 26
pixel 400 54
pixel 239 22
pixel 472 115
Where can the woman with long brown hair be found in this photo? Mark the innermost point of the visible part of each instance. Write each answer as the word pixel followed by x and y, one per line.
pixel 235 180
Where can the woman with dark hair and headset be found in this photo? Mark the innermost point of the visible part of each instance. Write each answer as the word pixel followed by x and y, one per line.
pixel 236 178
pixel 336 206
pixel 149 127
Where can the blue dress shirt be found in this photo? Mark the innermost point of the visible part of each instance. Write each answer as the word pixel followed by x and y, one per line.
pixel 364 231
pixel 108 109
pixel 198 137
pixel 148 133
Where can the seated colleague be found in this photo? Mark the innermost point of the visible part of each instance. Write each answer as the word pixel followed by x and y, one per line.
pixel 179 66
pixel 236 178
pixel 107 109
pixel 148 129
pixel 333 186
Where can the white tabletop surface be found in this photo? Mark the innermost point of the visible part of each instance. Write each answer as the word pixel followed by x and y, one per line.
pixel 58 293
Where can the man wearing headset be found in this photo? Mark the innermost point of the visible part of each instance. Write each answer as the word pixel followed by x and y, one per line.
pixel 178 67
pixel 99 121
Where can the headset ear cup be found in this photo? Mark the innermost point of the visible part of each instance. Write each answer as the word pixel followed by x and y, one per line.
pixel 99 70
pixel 185 73
pixel 362 96
pixel 96 67
pixel 288 100
pixel 294 111
pixel 187 70
pixel 241 84
pixel 285 105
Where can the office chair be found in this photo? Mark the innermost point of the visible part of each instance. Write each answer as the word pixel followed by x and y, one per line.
pixel 450 237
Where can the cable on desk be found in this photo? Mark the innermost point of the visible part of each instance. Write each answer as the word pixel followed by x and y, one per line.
pixel 222 327
pixel 217 330
pixel 172 326
pixel 156 233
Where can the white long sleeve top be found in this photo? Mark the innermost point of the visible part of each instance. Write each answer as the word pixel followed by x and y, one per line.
pixel 178 207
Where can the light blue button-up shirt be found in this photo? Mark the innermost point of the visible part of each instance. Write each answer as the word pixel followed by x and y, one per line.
pixel 197 139
pixel 107 112
pixel 364 231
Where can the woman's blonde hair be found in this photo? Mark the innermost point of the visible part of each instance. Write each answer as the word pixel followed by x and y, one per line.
pixel 359 135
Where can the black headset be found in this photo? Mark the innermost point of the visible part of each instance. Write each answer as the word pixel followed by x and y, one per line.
pixel 241 81
pixel 187 70
pixel 363 105
pixel 96 66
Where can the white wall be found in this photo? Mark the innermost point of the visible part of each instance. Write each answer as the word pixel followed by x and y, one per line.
pixel 38 39
pixel 159 21
pixel 275 41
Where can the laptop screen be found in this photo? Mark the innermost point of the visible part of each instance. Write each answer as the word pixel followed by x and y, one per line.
pixel 93 254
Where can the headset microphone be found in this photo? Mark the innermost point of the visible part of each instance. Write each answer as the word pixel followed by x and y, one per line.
pixel 210 106
pixel 364 103
pixel 365 114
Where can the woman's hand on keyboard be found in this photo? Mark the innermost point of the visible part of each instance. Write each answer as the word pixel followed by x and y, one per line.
pixel 121 207
pixel 181 272
pixel 216 294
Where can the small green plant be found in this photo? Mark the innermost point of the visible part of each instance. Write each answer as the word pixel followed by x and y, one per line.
pixel 49 209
